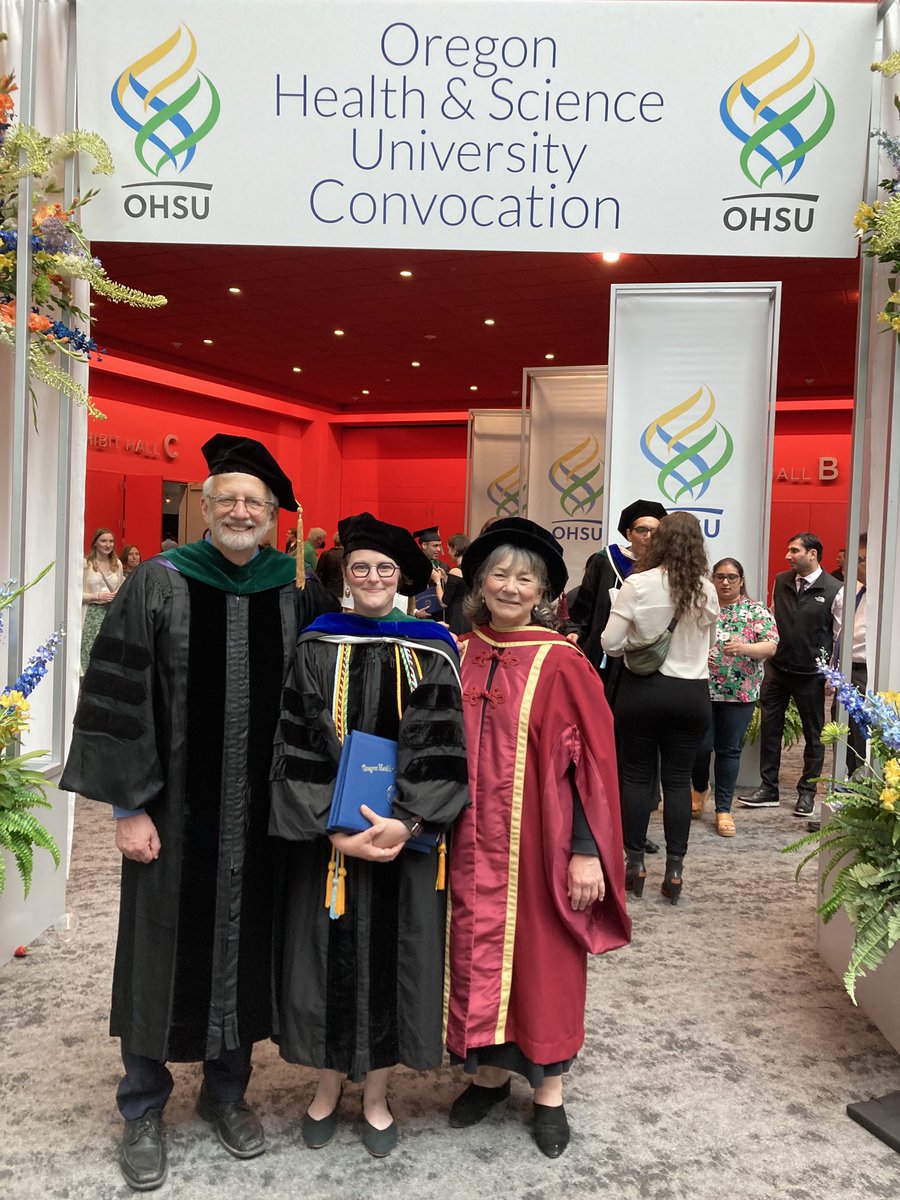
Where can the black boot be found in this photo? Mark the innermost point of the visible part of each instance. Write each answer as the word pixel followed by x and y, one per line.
pixel 635 872
pixel 671 884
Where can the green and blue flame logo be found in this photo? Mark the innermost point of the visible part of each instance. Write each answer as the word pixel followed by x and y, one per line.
pixel 572 474
pixel 688 446
pixel 168 103
pixel 779 112
pixel 503 492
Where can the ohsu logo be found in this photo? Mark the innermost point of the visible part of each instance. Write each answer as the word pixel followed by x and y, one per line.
pixel 171 106
pixel 572 474
pixel 689 448
pixel 779 113
pixel 503 493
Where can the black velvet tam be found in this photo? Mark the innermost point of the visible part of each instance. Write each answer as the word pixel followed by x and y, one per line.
pixel 638 509
pixel 525 535
pixel 226 454
pixel 365 532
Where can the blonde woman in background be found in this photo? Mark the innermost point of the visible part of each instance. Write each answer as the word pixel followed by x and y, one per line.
pixel 103 576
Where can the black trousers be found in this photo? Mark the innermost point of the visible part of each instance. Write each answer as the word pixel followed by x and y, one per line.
pixel 660 720
pixel 808 693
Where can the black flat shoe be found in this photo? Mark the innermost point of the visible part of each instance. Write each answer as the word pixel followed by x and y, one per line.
pixel 379 1142
pixel 551 1129
pixel 474 1104
pixel 651 847
pixel 318 1133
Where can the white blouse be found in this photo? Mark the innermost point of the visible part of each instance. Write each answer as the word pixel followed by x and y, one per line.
pixel 643 608
pixel 94 581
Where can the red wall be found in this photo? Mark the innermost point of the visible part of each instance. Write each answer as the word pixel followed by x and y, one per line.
pixel 410 475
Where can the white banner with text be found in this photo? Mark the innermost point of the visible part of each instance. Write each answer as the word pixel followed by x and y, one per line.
pixel 547 125
pixel 566 458
pixel 495 483
pixel 691 411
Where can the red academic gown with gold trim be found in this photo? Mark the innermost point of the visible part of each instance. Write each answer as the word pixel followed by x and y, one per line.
pixel 536 721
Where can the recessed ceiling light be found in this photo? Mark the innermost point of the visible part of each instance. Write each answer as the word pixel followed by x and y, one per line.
pixel 549 356
pixel 365 391
pixel 415 364
pixel 430 337
pixel 406 274
pixel 339 333
pixel 473 387
pixel 207 341
pixel 296 370
pixel 611 256
pixel 489 321
pixel 235 291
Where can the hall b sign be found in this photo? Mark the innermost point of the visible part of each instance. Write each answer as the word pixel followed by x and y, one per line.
pixel 828 471
pixel 502 125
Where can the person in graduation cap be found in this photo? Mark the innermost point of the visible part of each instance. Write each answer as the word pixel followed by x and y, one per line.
pixel 175 728
pixel 538 874
pixel 428 603
pixel 604 574
pixel 360 964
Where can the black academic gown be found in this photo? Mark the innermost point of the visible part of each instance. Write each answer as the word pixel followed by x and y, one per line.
pixel 177 716
pixel 364 991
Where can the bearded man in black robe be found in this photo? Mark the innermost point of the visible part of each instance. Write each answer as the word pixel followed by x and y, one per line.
pixel 175 728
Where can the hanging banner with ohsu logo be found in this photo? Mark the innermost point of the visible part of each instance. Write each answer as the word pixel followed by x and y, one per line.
pixel 683 128
pixel 566 453
pixel 692 410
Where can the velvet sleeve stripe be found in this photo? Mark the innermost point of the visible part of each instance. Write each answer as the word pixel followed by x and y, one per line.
pixel 125 654
pixel 437 767
pixel 98 682
pixel 92 719
pixel 436 696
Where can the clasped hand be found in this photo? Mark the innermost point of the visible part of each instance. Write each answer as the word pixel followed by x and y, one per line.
pixel 381 842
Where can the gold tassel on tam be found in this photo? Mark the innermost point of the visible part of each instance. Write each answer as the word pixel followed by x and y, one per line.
pixel 441 882
pixel 301 561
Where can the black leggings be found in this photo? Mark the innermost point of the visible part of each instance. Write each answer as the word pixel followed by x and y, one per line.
pixel 658 717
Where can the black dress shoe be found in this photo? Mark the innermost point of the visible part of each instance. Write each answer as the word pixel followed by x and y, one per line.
pixel 805 806
pixel 651 847
pixel 236 1125
pixel 142 1155
pixel 317 1133
pixel 379 1142
pixel 474 1104
pixel 761 797
pixel 551 1129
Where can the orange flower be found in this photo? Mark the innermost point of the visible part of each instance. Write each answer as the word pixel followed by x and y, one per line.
pixel 8 313
pixel 38 324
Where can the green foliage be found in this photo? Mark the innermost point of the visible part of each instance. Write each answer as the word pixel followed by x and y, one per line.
pixel 793 727
pixel 862 862
pixel 21 790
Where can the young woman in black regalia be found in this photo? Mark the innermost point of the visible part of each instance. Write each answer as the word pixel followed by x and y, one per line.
pixel 361 918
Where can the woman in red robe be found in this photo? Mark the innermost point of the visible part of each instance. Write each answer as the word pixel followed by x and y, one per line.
pixel 538 872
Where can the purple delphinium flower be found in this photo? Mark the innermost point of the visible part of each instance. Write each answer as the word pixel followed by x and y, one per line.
pixel 36 667
pixel 55 236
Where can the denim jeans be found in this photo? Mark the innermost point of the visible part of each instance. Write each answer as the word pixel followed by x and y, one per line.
pixel 727 728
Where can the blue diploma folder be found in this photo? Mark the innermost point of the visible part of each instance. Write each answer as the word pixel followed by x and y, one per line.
pixel 367 774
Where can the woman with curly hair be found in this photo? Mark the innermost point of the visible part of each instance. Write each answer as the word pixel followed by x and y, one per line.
pixel 663 716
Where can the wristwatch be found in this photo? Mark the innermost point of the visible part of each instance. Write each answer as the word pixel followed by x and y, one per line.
pixel 413 824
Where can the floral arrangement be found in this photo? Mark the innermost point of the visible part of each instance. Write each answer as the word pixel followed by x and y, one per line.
pixel 864 832
pixel 22 789
pixel 878 225
pixel 59 251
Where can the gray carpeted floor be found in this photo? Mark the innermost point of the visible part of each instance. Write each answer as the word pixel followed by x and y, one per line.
pixel 720 1056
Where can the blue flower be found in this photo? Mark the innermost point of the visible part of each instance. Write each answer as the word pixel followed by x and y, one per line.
pixel 36 667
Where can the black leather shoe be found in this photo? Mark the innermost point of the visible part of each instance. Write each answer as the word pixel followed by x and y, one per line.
pixel 142 1156
pixel 474 1104
pixel 761 797
pixel 651 847
pixel 806 804
pixel 551 1129
pixel 236 1124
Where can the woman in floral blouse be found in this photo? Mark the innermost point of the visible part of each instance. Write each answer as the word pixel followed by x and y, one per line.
pixel 745 637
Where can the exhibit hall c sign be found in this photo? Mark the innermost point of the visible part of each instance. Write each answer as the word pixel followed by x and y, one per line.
pixel 680 128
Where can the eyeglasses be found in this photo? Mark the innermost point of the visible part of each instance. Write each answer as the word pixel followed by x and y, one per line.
pixel 252 503
pixel 726 578
pixel 641 530
pixel 384 570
